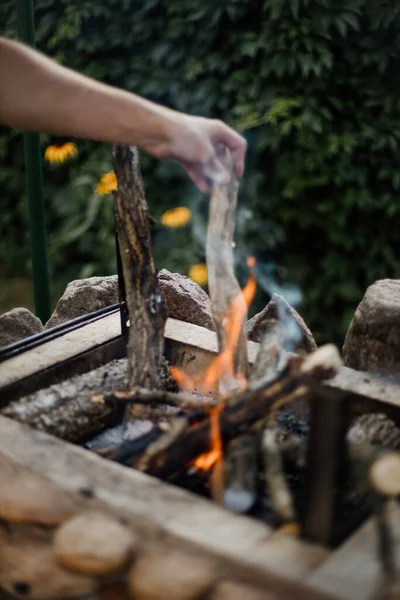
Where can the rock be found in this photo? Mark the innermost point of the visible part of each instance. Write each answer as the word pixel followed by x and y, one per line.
pixel 298 338
pixel 185 299
pixel 83 296
pixel 93 543
pixel 17 324
pixel 373 340
pixel 375 429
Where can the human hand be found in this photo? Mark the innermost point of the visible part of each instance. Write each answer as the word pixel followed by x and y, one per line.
pixel 196 143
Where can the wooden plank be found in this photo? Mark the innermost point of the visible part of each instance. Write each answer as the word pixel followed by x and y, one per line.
pixel 353 571
pixel 89 346
pixel 71 344
pixel 240 539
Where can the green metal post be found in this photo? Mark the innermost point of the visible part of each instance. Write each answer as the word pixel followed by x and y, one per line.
pixel 34 180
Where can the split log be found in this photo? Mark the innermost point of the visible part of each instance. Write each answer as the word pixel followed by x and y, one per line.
pixel 146 308
pixel 65 409
pixel 240 473
pixel 277 487
pixel 266 365
pixel 223 286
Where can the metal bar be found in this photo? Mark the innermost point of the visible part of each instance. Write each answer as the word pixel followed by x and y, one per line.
pixel 326 462
pixel 122 292
pixel 34 180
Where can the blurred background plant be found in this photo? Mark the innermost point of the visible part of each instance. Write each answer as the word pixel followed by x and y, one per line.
pixel 315 87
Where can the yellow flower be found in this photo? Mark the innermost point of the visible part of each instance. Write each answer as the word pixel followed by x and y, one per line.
pixel 198 273
pixel 107 184
pixel 60 153
pixel 176 217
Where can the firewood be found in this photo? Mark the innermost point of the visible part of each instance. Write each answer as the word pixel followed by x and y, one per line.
pixel 265 367
pixel 241 411
pixel 94 544
pixel 65 409
pixel 146 308
pixel 182 401
pixel 29 498
pixel 167 572
pixel 223 286
pixel 240 473
pixel 277 488
pixel 28 567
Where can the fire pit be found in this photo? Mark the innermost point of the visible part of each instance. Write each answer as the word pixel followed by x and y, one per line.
pixel 73 523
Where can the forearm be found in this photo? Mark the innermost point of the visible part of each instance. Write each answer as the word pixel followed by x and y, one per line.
pixel 38 94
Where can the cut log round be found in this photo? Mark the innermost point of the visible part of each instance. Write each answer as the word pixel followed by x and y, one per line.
pixel 384 475
pixel 26 497
pixel 229 590
pixel 171 574
pixel 93 543
pixel 28 568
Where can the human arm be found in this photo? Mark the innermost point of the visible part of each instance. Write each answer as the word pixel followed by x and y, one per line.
pixel 39 94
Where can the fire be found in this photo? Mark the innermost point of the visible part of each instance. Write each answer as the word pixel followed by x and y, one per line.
pixel 223 366
pixel 205 461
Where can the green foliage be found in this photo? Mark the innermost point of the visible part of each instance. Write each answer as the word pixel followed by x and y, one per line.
pixel 315 86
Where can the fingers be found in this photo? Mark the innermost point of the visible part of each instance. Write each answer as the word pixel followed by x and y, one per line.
pixel 196 174
pixel 237 145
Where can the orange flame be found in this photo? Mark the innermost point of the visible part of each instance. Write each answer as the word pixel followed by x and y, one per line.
pixel 223 365
pixel 205 461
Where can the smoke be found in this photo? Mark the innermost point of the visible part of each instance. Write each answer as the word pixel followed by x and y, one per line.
pixel 266 269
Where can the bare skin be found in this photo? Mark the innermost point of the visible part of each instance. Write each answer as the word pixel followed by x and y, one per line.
pixel 37 94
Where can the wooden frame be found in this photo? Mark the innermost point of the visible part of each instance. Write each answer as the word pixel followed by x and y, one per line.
pixel 270 559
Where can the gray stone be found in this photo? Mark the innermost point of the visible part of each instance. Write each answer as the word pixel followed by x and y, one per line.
pixel 298 338
pixel 373 340
pixel 376 429
pixel 83 296
pixel 185 299
pixel 17 324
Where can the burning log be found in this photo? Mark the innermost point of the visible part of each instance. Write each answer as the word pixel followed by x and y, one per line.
pixel 147 312
pixel 228 304
pixel 241 411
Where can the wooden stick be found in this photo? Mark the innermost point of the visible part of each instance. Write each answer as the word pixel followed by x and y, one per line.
pixel 277 487
pixel 223 286
pixel 266 365
pixel 147 312
pixel 139 395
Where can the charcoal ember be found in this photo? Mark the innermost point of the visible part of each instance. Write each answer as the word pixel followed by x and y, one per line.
pixel 298 337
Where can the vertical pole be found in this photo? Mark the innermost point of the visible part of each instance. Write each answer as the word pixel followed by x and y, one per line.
pixel 34 181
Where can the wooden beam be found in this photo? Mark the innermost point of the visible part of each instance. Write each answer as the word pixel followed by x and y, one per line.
pixel 353 572
pixel 251 546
